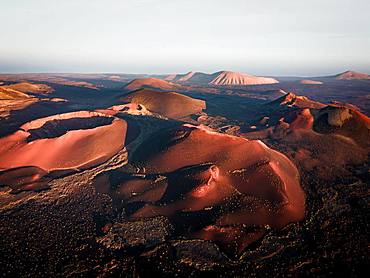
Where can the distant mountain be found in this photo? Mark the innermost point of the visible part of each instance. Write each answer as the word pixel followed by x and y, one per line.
pixel 221 78
pixel 229 78
pixel 310 82
pixel 192 77
pixel 180 77
pixel 151 83
pixel 352 75
pixel 7 93
pixel 21 90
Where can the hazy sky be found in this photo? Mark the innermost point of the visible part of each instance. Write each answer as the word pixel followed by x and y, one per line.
pixel 265 37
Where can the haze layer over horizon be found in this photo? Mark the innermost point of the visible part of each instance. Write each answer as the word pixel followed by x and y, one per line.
pixel 267 37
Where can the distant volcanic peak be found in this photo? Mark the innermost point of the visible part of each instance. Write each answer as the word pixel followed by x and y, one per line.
pixel 186 77
pixel 311 82
pixel 193 78
pixel 150 82
pixel 352 75
pixel 168 104
pixel 180 77
pixel 226 78
pixel 171 77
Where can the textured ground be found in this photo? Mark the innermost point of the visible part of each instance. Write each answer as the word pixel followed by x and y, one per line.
pixel 72 230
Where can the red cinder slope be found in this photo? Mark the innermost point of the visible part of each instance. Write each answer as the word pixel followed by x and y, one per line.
pixel 168 104
pixel 69 141
pixel 241 184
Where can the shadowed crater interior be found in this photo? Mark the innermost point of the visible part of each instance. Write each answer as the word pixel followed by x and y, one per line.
pixel 57 128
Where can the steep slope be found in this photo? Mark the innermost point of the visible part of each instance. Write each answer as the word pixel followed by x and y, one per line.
pixel 229 78
pixel 322 140
pixel 215 186
pixel 171 77
pixel 191 77
pixel 345 121
pixel 352 75
pixel 66 142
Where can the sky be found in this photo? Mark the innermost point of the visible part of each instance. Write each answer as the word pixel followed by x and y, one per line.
pixel 264 37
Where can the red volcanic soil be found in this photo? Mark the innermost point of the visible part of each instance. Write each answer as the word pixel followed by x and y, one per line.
pixel 16 97
pixel 168 104
pixel 10 94
pixel 26 87
pixel 70 141
pixel 21 90
pixel 292 100
pixel 352 75
pixel 228 78
pixel 322 141
pixel 243 185
pixel 152 83
pixel 310 82
pixel 345 121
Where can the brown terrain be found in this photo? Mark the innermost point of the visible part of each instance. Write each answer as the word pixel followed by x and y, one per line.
pixel 238 192
pixel 352 75
pixel 321 139
pixel 168 104
pixel 20 95
pixel 222 174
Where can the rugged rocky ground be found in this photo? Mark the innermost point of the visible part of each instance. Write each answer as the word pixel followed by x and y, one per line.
pixel 73 229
